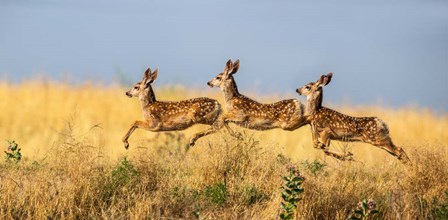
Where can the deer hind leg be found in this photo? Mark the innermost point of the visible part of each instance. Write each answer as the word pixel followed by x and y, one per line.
pixel 135 125
pixel 196 136
pixel 214 119
pixel 387 145
pixel 295 123
pixel 216 126
pixel 325 145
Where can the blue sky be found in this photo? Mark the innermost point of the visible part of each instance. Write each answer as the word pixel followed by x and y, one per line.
pixel 393 52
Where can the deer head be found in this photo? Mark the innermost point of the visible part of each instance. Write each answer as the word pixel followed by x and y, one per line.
pixel 314 87
pixel 313 92
pixel 143 89
pixel 225 79
pixel 144 85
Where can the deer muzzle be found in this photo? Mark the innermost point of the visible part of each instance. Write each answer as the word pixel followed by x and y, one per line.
pixel 128 94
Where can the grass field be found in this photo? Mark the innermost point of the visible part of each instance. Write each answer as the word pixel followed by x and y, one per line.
pixel 74 165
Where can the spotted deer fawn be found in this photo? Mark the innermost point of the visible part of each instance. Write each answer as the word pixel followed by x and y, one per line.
pixel 327 124
pixel 245 112
pixel 171 116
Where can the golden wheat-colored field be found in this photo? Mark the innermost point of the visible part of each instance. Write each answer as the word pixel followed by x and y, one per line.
pixel 74 164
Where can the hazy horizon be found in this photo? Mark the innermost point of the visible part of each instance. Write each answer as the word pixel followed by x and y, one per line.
pixel 395 53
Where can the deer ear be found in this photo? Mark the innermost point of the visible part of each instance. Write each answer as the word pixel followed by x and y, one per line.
pixel 229 66
pixel 236 66
pixel 147 74
pixel 328 78
pixel 154 75
pixel 324 79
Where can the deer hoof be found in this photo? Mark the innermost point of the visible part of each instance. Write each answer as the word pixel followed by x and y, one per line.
pixel 349 156
pixel 126 145
pixel 403 157
pixel 321 146
pixel 238 136
pixel 187 147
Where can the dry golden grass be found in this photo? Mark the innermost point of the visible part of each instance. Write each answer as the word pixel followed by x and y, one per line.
pixel 74 166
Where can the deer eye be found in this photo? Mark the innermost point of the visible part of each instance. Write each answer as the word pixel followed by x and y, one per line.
pixel 136 87
pixel 218 78
pixel 308 87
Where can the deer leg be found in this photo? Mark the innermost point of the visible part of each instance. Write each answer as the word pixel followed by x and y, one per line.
pixel 234 134
pixel 135 125
pixel 314 134
pixel 216 126
pixel 226 119
pixel 403 156
pixel 222 122
pixel 296 123
pixel 340 156
pixel 325 145
pixel 196 136
pixel 387 145
pixel 324 142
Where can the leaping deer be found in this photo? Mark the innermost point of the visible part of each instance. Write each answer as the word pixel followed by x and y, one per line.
pixel 248 113
pixel 327 124
pixel 171 116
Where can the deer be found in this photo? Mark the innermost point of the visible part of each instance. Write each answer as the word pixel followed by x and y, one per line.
pixel 172 115
pixel 248 113
pixel 327 124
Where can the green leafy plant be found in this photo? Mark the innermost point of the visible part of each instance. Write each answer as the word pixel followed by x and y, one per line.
pixel 440 211
pixel 365 210
pixel 252 194
pixel 314 167
pixel 13 152
pixel 123 173
pixel 290 191
pixel 216 193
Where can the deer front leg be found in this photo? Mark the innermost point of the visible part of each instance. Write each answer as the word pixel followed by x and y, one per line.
pixel 233 118
pixel 221 122
pixel 324 144
pixel 314 133
pixel 135 125
pixel 325 139
pixel 340 156
pixel 314 137
pixel 234 134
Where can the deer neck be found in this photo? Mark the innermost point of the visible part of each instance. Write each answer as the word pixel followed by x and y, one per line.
pixel 147 97
pixel 313 103
pixel 230 90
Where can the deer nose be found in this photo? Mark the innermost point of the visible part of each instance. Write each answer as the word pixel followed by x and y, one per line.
pixel 209 84
pixel 128 94
pixel 298 91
